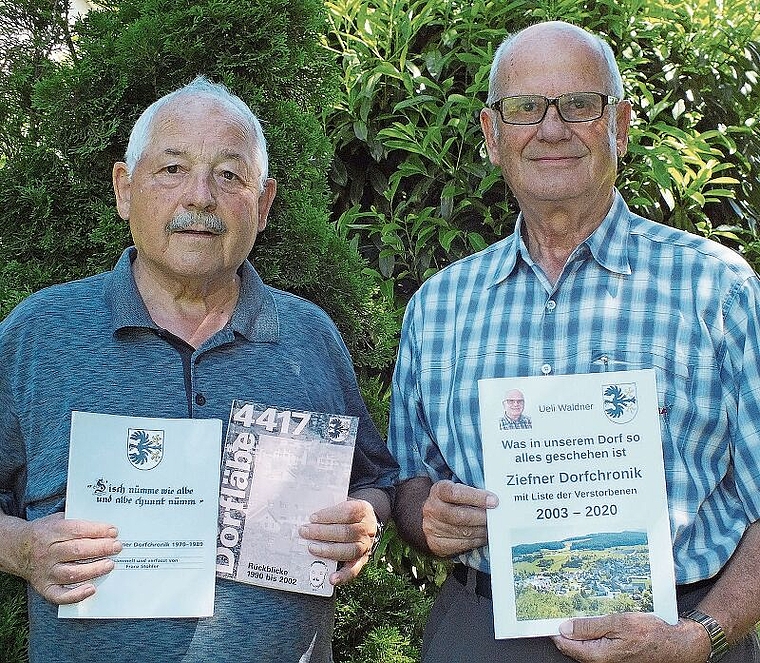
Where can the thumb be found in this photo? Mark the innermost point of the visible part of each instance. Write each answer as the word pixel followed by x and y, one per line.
pixel 348 571
pixel 585 628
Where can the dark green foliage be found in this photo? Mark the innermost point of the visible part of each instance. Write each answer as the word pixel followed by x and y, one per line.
pixel 13 632
pixel 380 618
pixel 70 121
pixel 423 571
pixel 411 183
pixel 413 186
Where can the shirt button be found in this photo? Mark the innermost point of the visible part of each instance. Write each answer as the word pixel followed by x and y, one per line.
pixel 551 305
pixel 546 369
pixel 200 399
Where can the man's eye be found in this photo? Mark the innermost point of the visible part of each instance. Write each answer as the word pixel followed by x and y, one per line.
pixel 578 102
pixel 229 175
pixel 172 169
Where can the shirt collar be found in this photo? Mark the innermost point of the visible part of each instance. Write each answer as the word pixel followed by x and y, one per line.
pixel 255 315
pixel 608 244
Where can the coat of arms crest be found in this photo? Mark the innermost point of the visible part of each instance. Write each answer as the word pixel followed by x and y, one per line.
pixel 145 448
pixel 620 402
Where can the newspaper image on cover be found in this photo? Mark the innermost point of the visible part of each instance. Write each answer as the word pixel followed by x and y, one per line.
pixel 279 467
pixel 582 527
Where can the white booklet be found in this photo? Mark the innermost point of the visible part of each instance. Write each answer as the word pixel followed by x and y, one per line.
pixel 582 526
pixel 279 467
pixel 157 481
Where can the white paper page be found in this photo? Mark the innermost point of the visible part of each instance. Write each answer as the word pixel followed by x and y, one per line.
pixel 582 526
pixel 157 481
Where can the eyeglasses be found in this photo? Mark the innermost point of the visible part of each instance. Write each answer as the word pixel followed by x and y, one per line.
pixel 572 107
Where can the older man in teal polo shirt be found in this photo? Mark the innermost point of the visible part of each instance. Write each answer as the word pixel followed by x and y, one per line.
pixel 180 328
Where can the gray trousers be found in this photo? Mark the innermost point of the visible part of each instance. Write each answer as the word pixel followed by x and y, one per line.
pixel 460 630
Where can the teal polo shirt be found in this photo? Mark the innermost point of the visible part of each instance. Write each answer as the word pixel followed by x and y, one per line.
pixel 91 345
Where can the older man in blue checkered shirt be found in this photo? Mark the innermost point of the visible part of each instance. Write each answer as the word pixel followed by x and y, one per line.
pixel 584 285
pixel 514 412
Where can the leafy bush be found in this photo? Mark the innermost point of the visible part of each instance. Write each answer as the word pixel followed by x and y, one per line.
pixel 412 184
pixel 379 618
pixel 412 189
pixel 68 120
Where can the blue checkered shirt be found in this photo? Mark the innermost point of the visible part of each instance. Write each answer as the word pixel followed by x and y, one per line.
pixel 635 294
pixel 505 423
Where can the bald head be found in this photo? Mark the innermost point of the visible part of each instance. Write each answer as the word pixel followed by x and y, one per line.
pixel 553 38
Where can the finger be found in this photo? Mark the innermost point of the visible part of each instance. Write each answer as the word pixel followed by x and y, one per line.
pixel 63 529
pixel 443 546
pixel 350 511
pixel 452 516
pixel 471 534
pixel 77 574
pixel 74 550
pixel 341 552
pixel 459 493
pixel 453 526
pixel 348 571
pixel 70 583
pixel 338 533
pixel 63 595
pixel 586 628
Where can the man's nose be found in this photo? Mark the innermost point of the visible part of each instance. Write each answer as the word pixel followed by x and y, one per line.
pixel 552 127
pixel 200 193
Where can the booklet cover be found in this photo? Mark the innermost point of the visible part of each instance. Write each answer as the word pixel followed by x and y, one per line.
pixel 157 481
pixel 582 526
pixel 279 467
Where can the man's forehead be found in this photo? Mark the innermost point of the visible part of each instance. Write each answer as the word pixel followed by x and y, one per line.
pixel 196 103
pixel 201 126
pixel 545 50
pixel 187 152
pixel 192 108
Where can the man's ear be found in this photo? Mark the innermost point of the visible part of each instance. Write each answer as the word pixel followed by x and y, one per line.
pixel 122 187
pixel 488 123
pixel 623 124
pixel 266 198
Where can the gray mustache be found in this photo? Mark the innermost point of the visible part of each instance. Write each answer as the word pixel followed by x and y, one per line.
pixel 198 221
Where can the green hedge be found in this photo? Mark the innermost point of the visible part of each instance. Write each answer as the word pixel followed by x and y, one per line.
pixel 413 187
pixel 67 121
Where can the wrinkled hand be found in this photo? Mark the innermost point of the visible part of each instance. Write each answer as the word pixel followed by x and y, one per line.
pixel 345 533
pixel 632 637
pixel 454 517
pixel 60 557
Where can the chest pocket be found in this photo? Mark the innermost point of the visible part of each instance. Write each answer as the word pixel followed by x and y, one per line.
pixel 673 376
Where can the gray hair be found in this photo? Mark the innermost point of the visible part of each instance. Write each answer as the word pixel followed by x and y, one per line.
pixel 141 132
pixel 615 80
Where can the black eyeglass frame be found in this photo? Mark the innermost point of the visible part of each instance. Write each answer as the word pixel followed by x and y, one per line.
pixel 607 100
